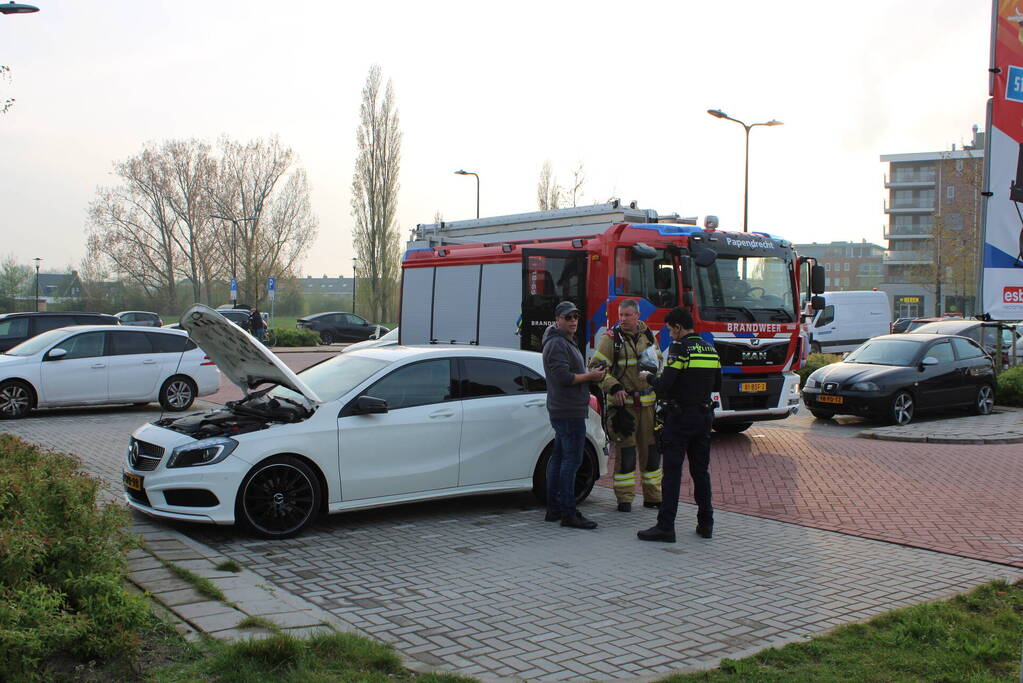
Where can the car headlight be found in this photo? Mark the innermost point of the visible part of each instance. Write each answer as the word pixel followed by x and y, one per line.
pixel 864 386
pixel 202 452
pixel 813 384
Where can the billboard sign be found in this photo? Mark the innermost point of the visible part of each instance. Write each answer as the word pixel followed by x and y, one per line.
pixel 1002 242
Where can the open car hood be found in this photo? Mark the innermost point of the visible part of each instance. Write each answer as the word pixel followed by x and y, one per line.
pixel 240 356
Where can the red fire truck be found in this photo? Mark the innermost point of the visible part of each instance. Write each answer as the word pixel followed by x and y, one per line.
pixel 495 282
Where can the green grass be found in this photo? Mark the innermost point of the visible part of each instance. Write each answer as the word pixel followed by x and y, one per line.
pixel 974 637
pixel 228 566
pixel 284 659
pixel 201 585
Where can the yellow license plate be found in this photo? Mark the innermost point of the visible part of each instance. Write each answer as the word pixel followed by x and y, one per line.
pixel 825 398
pixel 747 387
pixel 132 481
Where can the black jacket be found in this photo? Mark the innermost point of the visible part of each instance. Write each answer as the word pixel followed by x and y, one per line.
pixel 562 361
pixel 691 372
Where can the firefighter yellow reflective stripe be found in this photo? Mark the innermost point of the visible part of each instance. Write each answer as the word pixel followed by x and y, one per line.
pixel 647 399
pixel 597 355
pixel 625 479
pixel 653 477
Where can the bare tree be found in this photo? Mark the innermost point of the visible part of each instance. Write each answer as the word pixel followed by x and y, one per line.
pixel 548 192
pixel 375 196
pixel 133 226
pixel 257 181
pixel 14 278
pixel 190 170
pixel 578 180
pixel 5 102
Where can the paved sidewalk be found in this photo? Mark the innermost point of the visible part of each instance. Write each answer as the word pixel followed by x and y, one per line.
pixel 483 586
pixel 1003 426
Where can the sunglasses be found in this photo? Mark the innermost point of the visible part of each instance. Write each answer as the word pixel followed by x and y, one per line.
pixel 571 316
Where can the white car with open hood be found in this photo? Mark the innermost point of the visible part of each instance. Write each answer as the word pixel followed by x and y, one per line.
pixel 369 428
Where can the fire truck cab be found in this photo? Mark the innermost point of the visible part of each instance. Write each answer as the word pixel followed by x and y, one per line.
pixel 496 281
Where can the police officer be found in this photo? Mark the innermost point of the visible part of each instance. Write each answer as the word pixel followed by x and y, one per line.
pixel 621 351
pixel 691 373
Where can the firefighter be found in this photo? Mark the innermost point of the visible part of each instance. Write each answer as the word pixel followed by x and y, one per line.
pixel 691 373
pixel 620 351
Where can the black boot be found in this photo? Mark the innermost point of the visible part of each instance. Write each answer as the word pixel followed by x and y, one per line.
pixel 655 533
pixel 575 520
pixel 705 530
pixel 552 516
pixel 624 507
pixel 656 504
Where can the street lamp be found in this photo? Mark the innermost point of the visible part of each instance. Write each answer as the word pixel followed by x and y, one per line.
pixel 355 280
pixel 745 192
pixel 17 8
pixel 234 251
pixel 461 172
pixel 37 260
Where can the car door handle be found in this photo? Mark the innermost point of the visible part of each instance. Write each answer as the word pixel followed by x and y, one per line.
pixel 149 361
pixel 536 403
pixel 98 365
pixel 442 414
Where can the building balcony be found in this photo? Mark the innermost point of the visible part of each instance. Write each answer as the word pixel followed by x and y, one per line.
pixel 908 235
pixel 910 181
pixel 909 208
pixel 907 258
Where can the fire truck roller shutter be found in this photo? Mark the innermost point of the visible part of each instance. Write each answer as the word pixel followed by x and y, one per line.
pixel 456 304
pixel 416 305
pixel 500 304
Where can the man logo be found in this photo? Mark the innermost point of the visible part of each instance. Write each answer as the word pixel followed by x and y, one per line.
pixel 754 341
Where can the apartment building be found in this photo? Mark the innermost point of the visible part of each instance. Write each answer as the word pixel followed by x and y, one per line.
pixel 848 266
pixel 933 224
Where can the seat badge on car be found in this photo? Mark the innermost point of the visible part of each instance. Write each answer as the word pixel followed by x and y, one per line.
pixel 830 386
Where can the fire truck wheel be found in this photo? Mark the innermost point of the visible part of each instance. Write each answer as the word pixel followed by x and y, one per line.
pixel 732 427
pixel 585 478
pixel 822 415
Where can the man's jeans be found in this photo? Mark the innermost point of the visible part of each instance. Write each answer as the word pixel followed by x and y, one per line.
pixel 569 440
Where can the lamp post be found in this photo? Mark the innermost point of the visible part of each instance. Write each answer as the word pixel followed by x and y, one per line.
pixel 37 260
pixel 355 280
pixel 234 251
pixel 17 8
pixel 461 172
pixel 745 191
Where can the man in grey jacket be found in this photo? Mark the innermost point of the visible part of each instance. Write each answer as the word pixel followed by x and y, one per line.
pixel 568 404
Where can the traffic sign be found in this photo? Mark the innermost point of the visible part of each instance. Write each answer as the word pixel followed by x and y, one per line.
pixel 271 287
pixel 234 285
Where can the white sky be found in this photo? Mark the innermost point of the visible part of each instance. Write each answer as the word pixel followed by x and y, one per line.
pixel 497 89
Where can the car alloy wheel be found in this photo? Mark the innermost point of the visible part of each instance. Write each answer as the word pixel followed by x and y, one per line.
pixel 15 400
pixel 985 402
pixel 177 394
pixel 585 476
pixel 279 497
pixel 326 337
pixel 902 408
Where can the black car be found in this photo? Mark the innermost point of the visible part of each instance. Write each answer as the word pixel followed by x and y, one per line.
pixel 140 318
pixel 341 327
pixel 239 316
pixel 894 376
pixel 17 327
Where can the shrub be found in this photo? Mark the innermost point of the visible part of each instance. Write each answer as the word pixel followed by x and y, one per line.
pixel 62 565
pixel 291 337
pixel 815 361
pixel 1010 387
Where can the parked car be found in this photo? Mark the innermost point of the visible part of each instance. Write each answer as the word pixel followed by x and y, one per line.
pixel 99 364
pixel 140 318
pixel 980 332
pixel 349 433
pixel 899 325
pixel 17 327
pixel 895 376
pixel 903 325
pixel 389 339
pixel 341 327
pixel 239 316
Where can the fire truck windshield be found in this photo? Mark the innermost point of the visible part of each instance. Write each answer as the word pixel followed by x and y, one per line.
pixel 746 289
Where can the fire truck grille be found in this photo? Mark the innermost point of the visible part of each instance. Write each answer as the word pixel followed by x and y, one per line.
pixel 741 354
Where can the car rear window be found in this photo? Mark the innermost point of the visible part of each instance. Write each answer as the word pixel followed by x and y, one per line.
pixel 966 348
pixel 52 322
pixel 490 377
pixel 170 343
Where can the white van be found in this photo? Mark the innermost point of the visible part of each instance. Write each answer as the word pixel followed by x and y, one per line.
pixel 848 319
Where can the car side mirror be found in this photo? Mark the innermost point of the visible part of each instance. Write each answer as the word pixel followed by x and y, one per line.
pixel 56 354
pixel 705 257
pixel 817 303
pixel 370 405
pixel 644 251
pixel 929 360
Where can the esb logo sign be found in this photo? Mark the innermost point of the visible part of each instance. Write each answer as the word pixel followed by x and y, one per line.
pixel 1012 295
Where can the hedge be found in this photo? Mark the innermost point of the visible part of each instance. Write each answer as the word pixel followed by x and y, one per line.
pixel 286 336
pixel 1010 387
pixel 62 565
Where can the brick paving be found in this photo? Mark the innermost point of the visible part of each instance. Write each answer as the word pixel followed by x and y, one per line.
pixel 481 585
pixel 952 498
